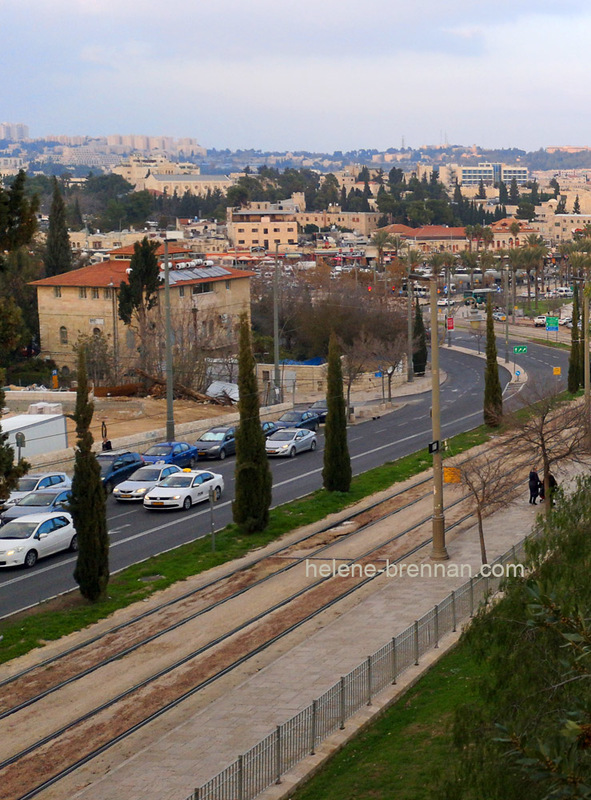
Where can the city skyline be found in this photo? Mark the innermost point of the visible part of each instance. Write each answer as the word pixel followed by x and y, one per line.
pixel 333 77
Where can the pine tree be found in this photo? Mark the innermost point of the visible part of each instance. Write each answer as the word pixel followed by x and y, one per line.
pixel 88 500
pixel 250 508
pixel 577 206
pixel 574 361
pixel 58 254
pixel 481 194
pixel 493 394
pixel 503 194
pixel 9 471
pixel 419 354
pixel 336 474
pixel 513 192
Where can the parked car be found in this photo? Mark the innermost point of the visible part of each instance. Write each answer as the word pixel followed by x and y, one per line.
pixel 540 322
pixel 116 466
pixel 41 480
pixel 183 489
pixel 217 443
pixel 565 321
pixel 320 407
pixel 142 480
pixel 299 419
pixel 499 316
pixel 43 500
pixel 24 540
pixel 290 441
pixel 182 454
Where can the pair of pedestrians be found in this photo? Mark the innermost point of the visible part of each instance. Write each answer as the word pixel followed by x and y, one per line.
pixel 536 487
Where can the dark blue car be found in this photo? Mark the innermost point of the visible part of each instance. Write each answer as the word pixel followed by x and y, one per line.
pixel 299 419
pixel 116 466
pixel 182 454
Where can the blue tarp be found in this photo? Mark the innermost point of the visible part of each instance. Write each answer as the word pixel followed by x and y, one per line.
pixel 311 362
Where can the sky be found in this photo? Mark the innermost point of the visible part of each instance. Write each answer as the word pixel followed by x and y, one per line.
pixel 316 75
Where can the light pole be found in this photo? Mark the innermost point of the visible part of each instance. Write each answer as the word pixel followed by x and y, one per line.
pixel 168 340
pixel 506 290
pixel 409 310
pixel 115 330
pixel 438 551
pixel 277 374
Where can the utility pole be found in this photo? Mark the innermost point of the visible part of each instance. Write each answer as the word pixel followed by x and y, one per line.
pixel 409 310
pixel 586 369
pixel 170 437
pixel 506 290
pixel 277 374
pixel 448 278
pixel 438 551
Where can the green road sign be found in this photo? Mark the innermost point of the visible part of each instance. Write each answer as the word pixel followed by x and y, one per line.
pixel 520 348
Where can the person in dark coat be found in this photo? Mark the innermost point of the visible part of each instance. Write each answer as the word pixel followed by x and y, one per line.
pixel 534 486
pixel 107 444
pixel 552 487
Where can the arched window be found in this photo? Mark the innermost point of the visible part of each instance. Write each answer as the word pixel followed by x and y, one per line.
pixel 96 331
pixel 65 371
pixel 63 335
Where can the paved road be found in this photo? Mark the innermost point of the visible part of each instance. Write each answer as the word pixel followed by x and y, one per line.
pixel 137 534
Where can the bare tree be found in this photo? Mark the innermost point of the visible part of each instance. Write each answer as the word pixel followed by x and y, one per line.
pixel 389 355
pixel 491 487
pixel 552 430
pixel 358 357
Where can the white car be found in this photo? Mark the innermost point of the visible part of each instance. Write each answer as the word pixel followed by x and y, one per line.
pixel 184 488
pixel 24 540
pixel 540 322
pixel 142 480
pixel 42 480
pixel 442 302
pixel 290 441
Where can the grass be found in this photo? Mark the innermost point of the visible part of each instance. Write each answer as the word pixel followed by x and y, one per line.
pixel 52 619
pixel 552 343
pixel 405 752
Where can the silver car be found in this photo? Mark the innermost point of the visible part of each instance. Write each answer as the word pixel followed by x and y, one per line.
pixel 142 480
pixel 290 441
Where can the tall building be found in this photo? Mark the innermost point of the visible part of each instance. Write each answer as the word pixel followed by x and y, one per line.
pixel 14 130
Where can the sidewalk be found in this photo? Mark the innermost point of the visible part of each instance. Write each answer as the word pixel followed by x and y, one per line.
pixel 202 745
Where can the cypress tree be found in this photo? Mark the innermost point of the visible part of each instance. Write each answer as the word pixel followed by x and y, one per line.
pixel 493 394
pixel 58 254
pixel 336 474
pixel 419 354
pixel 250 508
pixel 88 501
pixel 574 361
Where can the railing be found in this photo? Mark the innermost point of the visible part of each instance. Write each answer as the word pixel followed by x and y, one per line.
pixel 265 763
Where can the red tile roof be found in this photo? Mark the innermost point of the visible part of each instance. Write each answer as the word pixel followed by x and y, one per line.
pixel 128 250
pixel 426 232
pixel 112 273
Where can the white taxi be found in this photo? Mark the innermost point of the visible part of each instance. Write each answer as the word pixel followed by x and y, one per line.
pixel 183 489
pixel 24 540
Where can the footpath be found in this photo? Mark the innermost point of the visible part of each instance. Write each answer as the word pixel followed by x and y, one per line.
pixel 167 763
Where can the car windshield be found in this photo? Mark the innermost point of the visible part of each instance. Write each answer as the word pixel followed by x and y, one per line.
pixel 319 404
pixel 105 464
pixel 159 450
pixel 27 484
pixel 177 481
pixel 290 416
pixel 17 530
pixel 38 499
pixel 145 474
pixel 212 436
pixel 281 436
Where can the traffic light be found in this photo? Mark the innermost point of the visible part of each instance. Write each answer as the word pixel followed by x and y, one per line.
pixel 369 288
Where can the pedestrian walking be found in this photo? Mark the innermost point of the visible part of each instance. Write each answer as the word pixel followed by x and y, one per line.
pixel 107 444
pixel 534 486
pixel 552 487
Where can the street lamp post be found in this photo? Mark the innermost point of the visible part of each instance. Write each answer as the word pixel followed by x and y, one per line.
pixel 277 374
pixel 438 551
pixel 506 291
pixel 409 309
pixel 168 339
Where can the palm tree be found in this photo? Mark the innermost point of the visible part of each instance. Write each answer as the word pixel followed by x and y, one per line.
pixel 381 240
pixel 538 251
pixel 477 233
pixel 469 229
pixel 515 229
pixel 488 236
pixel 470 261
pixel 516 260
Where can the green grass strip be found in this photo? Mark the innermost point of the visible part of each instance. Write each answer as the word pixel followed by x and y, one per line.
pixel 406 751
pixel 51 620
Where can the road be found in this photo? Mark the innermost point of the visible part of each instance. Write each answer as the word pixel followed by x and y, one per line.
pixel 137 534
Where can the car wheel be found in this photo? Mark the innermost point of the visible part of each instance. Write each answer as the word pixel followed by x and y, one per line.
pixel 31 558
pixel 313 444
pixel 292 452
pixel 187 503
pixel 108 487
pixel 218 492
pixel 74 544
pixel 192 462
pixel 222 454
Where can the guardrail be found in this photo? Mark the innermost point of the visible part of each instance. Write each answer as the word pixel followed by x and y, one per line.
pixel 266 762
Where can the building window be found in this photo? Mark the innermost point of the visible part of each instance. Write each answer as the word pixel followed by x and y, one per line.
pixel 277 241
pixel 107 294
pixel 57 291
pixel 227 284
pixel 82 291
pixel 240 230
pixel 181 291
pixel 130 339
pixel 240 241
pixel 276 230
pixel 255 241
pixel 63 335
pixel 265 231
pixel 95 293
pixel 202 288
pixel 96 331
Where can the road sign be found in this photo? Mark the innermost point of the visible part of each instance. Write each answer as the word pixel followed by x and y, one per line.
pixel 434 447
pixel 557 371
pixel 452 475
pixel 450 323
pixel 551 323
pixel 518 372
pixel 520 348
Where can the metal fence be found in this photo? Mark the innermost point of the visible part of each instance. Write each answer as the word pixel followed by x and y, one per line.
pixel 265 763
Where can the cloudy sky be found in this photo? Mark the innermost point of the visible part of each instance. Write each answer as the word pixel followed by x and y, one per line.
pixel 317 75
